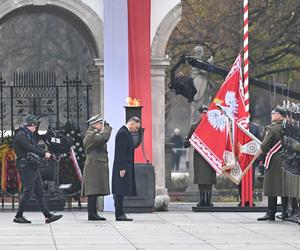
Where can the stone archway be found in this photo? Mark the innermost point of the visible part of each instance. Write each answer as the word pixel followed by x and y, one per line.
pixel 158 66
pixel 88 17
pixel 85 21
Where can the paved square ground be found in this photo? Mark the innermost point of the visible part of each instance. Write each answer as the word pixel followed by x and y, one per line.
pixel 160 230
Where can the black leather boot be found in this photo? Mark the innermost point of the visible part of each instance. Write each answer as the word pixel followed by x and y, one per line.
pixel 272 206
pixel 269 216
pixel 95 217
pixel 208 202
pixel 201 202
pixel 285 206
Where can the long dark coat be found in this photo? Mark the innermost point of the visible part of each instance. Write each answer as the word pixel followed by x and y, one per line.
pixel 273 175
pixel 124 160
pixel 96 171
pixel 203 172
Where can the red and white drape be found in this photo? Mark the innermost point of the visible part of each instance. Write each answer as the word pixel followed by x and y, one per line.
pixel 127 68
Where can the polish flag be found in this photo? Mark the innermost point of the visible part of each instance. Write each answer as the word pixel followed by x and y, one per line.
pixel 222 137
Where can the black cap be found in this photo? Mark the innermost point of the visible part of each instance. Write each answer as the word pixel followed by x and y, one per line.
pixel 279 110
pixel 30 120
pixel 203 109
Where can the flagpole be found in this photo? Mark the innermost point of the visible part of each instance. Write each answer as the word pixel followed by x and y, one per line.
pixel 246 57
pixel 247 183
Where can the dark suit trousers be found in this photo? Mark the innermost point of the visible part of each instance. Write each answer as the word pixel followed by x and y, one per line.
pixel 119 205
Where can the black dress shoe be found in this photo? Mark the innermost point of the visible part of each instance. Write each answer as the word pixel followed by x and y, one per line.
pixel 285 216
pixel 53 218
pixel 268 216
pixel 95 217
pixel 123 218
pixel 21 220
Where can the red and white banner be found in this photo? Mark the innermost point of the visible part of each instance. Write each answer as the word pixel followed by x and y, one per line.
pixel 127 69
pixel 139 67
pixel 127 64
pixel 222 133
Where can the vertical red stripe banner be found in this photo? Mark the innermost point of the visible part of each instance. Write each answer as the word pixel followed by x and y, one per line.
pixel 139 67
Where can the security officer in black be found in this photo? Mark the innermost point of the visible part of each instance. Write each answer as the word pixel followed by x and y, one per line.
pixel 25 144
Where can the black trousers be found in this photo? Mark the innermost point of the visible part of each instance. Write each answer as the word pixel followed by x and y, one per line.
pixel 177 156
pixel 32 184
pixel 92 204
pixel 119 205
pixel 205 187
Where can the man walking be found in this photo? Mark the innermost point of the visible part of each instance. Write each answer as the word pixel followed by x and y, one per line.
pixel 27 150
pixel 123 177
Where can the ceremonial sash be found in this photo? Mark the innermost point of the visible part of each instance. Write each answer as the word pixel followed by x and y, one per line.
pixel 273 150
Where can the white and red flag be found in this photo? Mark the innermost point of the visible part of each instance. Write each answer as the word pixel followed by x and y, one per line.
pixel 222 137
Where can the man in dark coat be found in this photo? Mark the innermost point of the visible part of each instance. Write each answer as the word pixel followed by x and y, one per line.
pixel 96 172
pixel 273 174
pixel 177 141
pixel 123 177
pixel 25 145
pixel 204 175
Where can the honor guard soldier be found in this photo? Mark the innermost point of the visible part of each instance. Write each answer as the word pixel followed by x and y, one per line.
pixel 273 176
pixel 204 175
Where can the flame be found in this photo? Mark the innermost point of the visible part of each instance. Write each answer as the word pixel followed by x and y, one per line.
pixel 133 102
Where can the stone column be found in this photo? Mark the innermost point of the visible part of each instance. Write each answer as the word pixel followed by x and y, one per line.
pixel 96 78
pixel 96 73
pixel 158 66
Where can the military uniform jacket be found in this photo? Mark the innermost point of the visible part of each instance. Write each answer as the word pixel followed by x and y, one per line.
pixel 203 172
pixel 96 172
pixel 273 175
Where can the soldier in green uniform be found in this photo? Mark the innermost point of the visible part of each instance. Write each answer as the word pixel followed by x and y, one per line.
pixel 204 175
pixel 273 173
pixel 96 172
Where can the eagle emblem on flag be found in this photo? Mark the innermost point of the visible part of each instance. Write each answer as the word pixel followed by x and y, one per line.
pixel 218 119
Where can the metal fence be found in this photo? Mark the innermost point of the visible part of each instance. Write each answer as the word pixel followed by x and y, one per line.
pixel 38 93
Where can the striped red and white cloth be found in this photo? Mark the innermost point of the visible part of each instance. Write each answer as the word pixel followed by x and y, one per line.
pixel 127 70
pixel 127 64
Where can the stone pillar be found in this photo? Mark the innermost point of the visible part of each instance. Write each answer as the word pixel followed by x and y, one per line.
pixel 96 73
pixel 96 78
pixel 158 66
